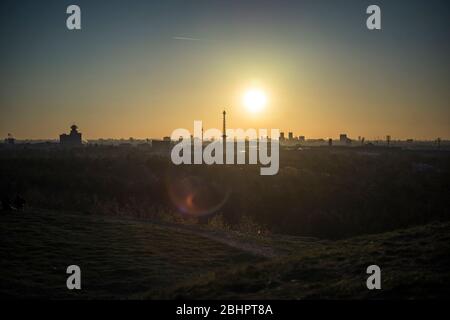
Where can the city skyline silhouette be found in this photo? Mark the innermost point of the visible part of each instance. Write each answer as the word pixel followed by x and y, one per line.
pixel 158 66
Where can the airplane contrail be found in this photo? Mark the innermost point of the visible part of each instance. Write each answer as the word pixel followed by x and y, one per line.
pixel 187 39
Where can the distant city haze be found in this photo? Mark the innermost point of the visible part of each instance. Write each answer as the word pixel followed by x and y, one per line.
pixel 144 68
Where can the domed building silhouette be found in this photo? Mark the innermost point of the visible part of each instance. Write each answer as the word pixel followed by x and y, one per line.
pixel 10 140
pixel 71 139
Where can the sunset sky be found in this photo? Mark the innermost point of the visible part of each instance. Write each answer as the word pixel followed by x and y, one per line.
pixel 144 68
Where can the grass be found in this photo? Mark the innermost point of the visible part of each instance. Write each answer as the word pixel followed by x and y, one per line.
pixel 414 264
pixel 118 258
pixel 126 259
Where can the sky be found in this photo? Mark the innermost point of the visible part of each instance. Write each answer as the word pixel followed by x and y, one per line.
pixel 145 68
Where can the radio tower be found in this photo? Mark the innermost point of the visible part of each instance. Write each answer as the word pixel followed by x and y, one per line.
pixel 224 135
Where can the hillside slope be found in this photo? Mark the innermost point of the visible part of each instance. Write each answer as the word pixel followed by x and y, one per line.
pixel 136 259
pixel 414 265
pixel 118 258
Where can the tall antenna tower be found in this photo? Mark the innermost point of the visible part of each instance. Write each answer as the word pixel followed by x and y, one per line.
pixel 224 135
pixel 224 129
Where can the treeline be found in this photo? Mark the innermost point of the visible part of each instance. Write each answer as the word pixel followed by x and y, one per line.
pixel 323 192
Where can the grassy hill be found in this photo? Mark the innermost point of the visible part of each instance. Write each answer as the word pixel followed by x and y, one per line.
pixel 414 265
pixel 118 258
pixel 136 259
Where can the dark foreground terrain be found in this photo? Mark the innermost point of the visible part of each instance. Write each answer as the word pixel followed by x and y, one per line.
pixel 414 262
pixel 141 227
pixel 327 193
pixel 118 259
pixel 137 259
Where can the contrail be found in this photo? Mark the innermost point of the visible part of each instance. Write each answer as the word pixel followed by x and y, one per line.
pixel 187 39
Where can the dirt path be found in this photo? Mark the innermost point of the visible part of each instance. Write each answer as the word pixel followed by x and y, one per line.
pixel 231 239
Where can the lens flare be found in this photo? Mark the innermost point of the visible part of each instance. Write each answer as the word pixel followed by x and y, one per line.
pixel 196 196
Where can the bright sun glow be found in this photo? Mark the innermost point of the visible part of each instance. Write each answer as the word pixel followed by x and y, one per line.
pixel 255 100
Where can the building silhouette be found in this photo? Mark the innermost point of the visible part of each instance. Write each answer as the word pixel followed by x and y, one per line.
pixel 71 139
pixel 388 140
pixel 291 136
pixel 10 140
pixel 343 139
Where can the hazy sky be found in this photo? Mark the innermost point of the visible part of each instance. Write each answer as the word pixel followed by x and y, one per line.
pixel 144 68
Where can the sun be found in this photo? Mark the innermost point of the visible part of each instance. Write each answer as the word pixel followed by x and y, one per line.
pixel 255 100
